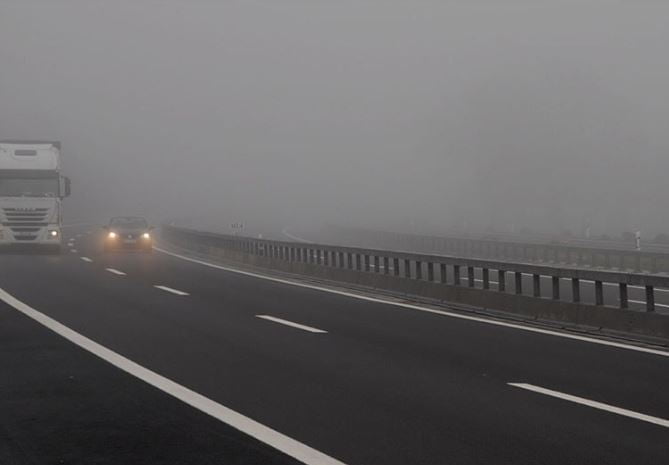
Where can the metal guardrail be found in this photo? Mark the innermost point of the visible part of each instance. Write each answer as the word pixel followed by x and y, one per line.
pixel 438 269
pixel 555 253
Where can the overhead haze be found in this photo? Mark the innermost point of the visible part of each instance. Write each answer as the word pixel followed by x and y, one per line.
pixel 476 115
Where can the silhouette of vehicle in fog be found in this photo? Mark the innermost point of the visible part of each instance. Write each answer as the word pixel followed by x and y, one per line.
pixel 128 233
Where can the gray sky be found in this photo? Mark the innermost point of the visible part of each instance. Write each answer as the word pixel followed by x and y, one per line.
pixel 379 113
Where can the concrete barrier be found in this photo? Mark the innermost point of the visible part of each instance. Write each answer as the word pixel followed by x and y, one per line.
pixel 446 278
pixel 539 252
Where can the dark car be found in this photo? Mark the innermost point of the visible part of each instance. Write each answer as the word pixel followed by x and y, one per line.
pixel 128 233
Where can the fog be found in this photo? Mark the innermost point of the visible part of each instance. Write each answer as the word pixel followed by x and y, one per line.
pixel 546 115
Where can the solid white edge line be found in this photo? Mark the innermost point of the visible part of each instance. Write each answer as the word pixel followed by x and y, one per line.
pixel 169 289
pixel 86 259
pixel 115 271
pixel 292 324
pixel 531 329
pixel 278 441
pixel 644 303
pixel 593 404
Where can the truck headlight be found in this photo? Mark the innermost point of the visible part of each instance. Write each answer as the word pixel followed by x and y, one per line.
pixel 111 235
pixel 146 236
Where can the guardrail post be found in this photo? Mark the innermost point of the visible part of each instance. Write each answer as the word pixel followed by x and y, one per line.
pixel 624 300
pixel 519 282
pixel 419 270
pixel 377 264
pixel 326 257
pixel 358 262
pixel 349 260
pixel 443 275
pixel 556 287
pixel 407 268
pixel 396 266
pixel 456 275
pixel 536 285
pixel 650 299
pixel 486 278
pixel 599 293
pixel 470 276
pixel 430 272
pixel 367 263
pixel 575 290
pixel 386 265
pixel 501 280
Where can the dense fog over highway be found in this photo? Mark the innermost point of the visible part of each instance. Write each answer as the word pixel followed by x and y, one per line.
pixel 476 115
pixel 344 232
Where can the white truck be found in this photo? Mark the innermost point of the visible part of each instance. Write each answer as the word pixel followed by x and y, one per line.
pixel 31 192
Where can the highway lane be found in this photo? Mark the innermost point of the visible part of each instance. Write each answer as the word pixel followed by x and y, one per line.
pixel 60 404
pixel 383 385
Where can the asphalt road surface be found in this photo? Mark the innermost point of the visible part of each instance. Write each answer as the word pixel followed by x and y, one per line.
pixel 222 367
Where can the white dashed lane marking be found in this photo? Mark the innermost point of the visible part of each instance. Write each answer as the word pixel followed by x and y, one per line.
pixel 115 271
pixel 169 289
pixel 593 404
pixel 291 324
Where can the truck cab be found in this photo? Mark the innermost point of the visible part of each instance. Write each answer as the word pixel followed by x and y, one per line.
pixel 31 193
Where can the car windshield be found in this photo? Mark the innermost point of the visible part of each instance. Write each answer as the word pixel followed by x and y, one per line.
pixel 27 187
pixel 130 223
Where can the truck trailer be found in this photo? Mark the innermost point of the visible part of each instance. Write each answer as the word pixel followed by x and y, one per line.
pixel 31 193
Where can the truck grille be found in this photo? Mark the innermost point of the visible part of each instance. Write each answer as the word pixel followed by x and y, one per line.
pixel 22 229
pixel 25 237
pixel 25 216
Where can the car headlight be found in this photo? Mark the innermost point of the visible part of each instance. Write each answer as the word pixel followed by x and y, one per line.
pixel 53 233
pixel 146 235
pixel 111 235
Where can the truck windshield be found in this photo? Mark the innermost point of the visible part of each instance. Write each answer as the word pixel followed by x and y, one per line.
pixel 27 187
